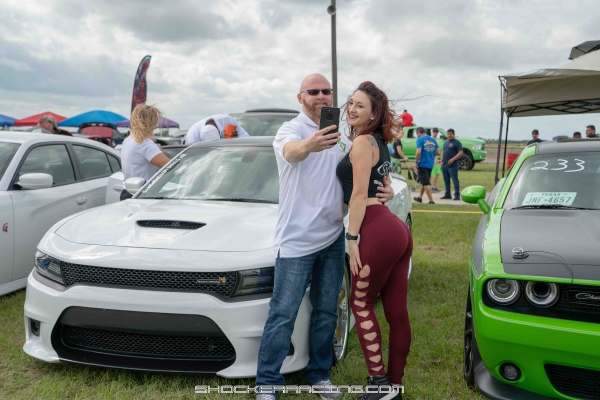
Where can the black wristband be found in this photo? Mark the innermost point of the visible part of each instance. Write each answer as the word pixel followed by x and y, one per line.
pixel 350 237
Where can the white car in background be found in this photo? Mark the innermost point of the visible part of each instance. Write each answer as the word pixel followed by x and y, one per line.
pixel 178 278
pixel 43 179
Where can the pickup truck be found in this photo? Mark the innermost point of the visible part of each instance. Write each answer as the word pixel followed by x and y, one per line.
pixel 473 149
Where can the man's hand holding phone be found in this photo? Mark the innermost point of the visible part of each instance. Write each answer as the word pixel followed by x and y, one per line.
pixel 322 139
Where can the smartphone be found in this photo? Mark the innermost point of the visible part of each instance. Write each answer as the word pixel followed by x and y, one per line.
pixel 330 116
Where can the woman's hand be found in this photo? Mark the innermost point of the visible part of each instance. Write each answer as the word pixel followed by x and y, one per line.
pixel 355 264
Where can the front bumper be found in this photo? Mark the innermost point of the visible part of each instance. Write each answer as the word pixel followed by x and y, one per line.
pixel 531 343
pixel 479 155
pixel 241 322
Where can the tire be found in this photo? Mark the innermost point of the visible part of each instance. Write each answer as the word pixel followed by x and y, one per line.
pixel 468 364
pixel 465 163
pixel 409 223
pixel 342 330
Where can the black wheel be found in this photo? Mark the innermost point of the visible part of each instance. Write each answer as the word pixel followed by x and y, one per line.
pixel 342 330
pixel 468 370
pixel 409 223
pixel 465 163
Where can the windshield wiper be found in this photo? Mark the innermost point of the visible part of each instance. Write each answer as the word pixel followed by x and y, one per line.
pixel 548 206
pixel 159 198
pixel 242 200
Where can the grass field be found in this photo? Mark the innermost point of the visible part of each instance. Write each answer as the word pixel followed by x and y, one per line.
pixel 437 294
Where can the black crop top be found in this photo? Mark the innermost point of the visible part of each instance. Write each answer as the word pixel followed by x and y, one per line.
pixel 381 169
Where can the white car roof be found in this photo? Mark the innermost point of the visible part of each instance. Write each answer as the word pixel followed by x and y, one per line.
pixel 29 138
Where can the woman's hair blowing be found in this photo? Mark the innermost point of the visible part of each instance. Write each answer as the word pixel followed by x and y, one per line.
pixel 144 120
pixel 384 121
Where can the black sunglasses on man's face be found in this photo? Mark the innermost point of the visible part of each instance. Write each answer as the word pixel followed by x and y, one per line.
pixel 314 92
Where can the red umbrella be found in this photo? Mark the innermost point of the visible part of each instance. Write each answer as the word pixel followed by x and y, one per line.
pixel 33 120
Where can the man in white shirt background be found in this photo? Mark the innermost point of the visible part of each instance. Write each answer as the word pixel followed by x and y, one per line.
pixel 218 121
pixel 309 238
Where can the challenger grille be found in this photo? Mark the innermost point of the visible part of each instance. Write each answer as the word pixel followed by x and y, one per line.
pixel 575 382
pixel 218 283
pixel 147 345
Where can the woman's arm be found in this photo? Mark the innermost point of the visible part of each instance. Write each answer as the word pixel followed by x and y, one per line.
pixel 362 162
pixel 160 160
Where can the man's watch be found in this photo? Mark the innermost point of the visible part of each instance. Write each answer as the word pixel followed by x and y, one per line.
pixel 350 237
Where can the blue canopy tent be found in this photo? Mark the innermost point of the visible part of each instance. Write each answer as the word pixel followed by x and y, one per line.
pixel 6 121
pixel 96 116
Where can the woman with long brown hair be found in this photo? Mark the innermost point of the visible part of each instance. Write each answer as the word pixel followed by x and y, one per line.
pixel 140 155
pixel 379 262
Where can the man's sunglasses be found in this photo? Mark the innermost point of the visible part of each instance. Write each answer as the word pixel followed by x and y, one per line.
pixel 314 92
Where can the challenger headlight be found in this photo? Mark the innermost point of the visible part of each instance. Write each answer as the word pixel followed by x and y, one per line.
pixel 255 281
pixel 48 267
pixel 476 147
pixel 541 294
pixel 503 291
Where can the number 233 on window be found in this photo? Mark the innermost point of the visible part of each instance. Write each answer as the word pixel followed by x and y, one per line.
pixel 560 164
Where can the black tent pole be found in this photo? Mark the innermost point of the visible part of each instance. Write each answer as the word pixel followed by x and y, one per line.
pixel 500 134
pixel 505 143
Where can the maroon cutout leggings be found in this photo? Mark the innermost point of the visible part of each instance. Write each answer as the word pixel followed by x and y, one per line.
pixel 385 249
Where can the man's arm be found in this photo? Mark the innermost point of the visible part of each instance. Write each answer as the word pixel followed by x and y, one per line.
pixel 296 151
pixel 417 156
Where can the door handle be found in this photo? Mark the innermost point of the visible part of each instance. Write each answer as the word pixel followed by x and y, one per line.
pixel 81 200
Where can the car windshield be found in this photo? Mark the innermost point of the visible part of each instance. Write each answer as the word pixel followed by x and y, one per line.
pixel 7 151
pixel 262 125
pixel 567 181
pixel 172 151
pixel 247 174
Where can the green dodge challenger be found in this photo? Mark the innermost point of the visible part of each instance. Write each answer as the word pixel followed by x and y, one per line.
pixel 532 323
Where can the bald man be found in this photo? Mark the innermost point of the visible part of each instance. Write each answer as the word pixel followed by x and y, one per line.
pixel 309 239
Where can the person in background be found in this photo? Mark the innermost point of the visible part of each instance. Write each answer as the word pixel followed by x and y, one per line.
pixel 590 132
pixel 577 135
pixel 380 262
pixel 453 151
pixel 436 172
pixel 47 124
pixel 140 155
pixel 535 137
pixel 427 151
pixel 397 154
pixel 407 119
pixel 220 122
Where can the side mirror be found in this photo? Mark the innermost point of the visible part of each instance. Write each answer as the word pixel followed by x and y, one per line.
pixel 132 185
pixel 476 195
pixel 35 181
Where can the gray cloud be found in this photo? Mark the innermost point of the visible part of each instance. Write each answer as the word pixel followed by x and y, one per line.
pixel 161 20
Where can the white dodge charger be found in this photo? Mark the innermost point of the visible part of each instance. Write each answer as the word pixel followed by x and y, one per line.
pixel 178 278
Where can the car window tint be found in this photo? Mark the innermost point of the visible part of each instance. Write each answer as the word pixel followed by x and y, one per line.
pixel 114 163
pixel 93 162
pixel 409 134
pixel 51 159
pixel 7 151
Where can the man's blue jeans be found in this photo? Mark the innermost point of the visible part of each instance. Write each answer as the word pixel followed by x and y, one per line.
pixel 451 171
pixel 325 270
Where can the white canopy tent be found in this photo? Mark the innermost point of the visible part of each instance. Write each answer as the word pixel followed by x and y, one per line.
pixel 573 88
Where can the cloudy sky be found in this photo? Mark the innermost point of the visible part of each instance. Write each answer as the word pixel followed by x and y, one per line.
pixel 439 58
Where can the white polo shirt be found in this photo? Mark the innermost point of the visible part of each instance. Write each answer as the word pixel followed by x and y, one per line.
pixel 193 134
pixel 311 206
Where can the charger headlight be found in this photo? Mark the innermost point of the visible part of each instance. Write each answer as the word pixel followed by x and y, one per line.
pixel 48 267
pixel 541 294
pixel 255 281
pixel 503 291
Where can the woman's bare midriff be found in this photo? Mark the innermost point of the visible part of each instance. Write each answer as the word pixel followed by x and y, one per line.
pixel 371 201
